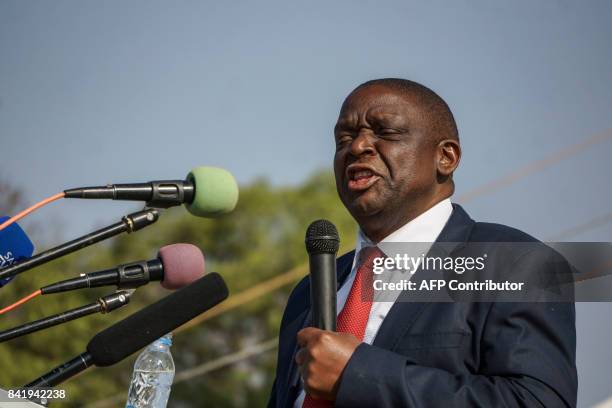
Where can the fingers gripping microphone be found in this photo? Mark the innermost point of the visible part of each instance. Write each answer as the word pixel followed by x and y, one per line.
pixel 207 192
pixel 322 244
pixel 143 327
pixel 177 265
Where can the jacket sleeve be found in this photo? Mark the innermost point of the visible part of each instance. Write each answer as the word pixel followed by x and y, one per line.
pixel 272 400
pixel 527 359
pixel 295 305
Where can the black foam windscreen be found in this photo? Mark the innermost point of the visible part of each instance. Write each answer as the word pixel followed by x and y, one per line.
pixel 147 325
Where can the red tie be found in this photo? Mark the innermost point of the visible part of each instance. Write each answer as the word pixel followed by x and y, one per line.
pixel 354 316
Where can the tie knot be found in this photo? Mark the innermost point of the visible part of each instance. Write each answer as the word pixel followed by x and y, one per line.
pixel 367 255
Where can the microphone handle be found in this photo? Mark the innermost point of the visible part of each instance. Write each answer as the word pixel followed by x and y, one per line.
pixel 323 287
pixel 159 193
pixel 105 304
pixel 129 223
pixel 63 372
pixel 125 276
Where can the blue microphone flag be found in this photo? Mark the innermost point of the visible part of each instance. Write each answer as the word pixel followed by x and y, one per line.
pixel 14 247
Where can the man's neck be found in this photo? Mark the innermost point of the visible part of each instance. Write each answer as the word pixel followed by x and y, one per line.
pixel 384 226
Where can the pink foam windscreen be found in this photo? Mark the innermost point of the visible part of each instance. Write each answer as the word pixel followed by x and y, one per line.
pixel 183 264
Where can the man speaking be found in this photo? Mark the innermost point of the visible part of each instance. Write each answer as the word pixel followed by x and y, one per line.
pixel 397 147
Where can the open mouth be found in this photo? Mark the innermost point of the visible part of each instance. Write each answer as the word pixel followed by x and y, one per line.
pixel 361 179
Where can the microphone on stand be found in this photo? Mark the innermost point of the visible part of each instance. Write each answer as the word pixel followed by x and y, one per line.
pixel 105 304
pixel 141 328
pixel 176 265
pixel 130 223
pixel 206 192
pixel 322 243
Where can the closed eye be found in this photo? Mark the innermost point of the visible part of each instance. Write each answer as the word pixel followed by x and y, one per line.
pixel 389 133
pixel 343 137
pixel 388 130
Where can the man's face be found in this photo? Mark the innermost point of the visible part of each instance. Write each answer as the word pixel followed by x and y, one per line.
pixel 385 161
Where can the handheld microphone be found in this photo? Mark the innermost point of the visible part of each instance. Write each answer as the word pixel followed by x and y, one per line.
pixel 141 328
pixel 176 265
pixel 207 192
pixel 322 243
pixel 14 246
pixel 130 223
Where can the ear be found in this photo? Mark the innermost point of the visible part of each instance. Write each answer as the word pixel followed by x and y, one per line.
pixel 448 155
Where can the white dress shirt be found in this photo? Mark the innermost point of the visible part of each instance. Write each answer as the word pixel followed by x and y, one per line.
pixel 423 229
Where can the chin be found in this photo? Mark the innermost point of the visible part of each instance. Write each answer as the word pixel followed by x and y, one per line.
pixel 361 208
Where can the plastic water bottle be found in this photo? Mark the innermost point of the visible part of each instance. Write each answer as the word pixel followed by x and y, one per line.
pixel 153 375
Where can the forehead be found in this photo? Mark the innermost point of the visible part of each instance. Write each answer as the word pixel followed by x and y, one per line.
pixel 377 101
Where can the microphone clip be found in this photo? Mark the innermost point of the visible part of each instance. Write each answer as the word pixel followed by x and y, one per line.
pixel 133 275
pixel 114 301
pixel 165 194
pixel 140 219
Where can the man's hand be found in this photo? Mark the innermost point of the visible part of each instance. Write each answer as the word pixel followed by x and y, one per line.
pixel 322 358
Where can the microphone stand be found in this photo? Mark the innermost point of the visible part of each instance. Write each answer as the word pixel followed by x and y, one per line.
pixel 62 372
pixel 130 223
pixel 105 304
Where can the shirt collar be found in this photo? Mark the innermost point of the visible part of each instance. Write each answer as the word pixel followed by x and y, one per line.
pixel 424 228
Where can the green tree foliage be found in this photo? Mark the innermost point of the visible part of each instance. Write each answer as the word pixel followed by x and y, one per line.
pixel 10 198
pixel 261 239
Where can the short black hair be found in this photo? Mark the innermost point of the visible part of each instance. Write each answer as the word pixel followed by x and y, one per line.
pixel 440 116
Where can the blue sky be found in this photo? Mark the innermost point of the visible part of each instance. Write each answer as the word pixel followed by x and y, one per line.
pixel 110 91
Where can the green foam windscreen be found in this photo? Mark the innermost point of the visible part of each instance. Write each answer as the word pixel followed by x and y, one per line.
pixel 216 192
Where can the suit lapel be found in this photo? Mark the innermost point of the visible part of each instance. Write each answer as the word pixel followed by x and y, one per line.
pixel 345 262
pixel 404 313
pixel 293 377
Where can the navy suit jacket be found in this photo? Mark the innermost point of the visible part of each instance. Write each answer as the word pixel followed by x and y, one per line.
pixel 464 354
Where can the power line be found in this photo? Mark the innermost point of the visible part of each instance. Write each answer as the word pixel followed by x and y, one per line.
pixel 248 295
pixel 588 225
pixel 226 360
pixel 535 166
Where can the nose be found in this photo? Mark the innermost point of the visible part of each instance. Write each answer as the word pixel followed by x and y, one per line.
pixel 363 144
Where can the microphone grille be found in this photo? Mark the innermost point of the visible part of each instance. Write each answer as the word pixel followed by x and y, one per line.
pixel 322 237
